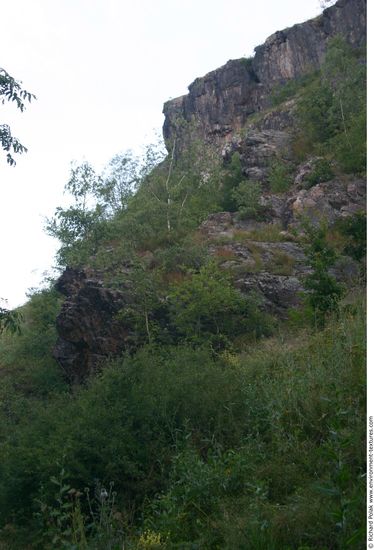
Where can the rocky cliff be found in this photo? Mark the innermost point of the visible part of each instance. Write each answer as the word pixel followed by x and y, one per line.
pixel 218 105
pixel 263 256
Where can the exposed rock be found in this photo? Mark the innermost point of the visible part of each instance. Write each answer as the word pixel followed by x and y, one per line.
pixel 276 270
pixel 271 269
pixel 217 224
pixel 258 149
pixel 88 329
pixel 262 254
pixel 326 201
pixel 218 104
pixel 300 49
pixel 279 292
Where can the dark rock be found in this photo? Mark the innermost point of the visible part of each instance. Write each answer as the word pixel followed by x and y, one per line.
pixel 279 292
pixel 219 104
pixel 89 331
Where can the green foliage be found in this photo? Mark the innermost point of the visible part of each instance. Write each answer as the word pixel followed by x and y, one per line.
pixel 68 518
pixel 208 308
pixel 350 147
pixel 171 199
pixel 11 90
pixel 290 89
pixel 354 228
pixel 120 183
pixel 206 450
pixel 121 428
pixel 26 356
pixel 324 290
pixel 76 227
pixel 233 176
pixel 145 310
pixel 247 197
pixel 321 172
pixel 10 320
pixel 332 109
pixel 279 176
pixel 294 481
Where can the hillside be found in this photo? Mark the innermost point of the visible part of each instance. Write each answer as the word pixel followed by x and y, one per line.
pixel 195 378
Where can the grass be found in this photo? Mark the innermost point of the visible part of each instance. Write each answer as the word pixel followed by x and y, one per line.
pixel 281 263
pixel 297 478
pixel 261 449
pixel 271 233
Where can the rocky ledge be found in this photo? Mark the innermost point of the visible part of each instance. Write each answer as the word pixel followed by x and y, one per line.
pixel 217 105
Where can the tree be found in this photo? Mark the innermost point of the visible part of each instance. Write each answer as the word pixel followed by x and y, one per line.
pixel 11 90
pixel 332 109
pixel 119 182
pixel 9 320
pixel 324 290
pixel 73 226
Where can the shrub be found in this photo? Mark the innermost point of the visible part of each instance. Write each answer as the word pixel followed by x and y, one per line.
pixel 332 109
pixel 354 229
pixel 321 172
pixel 279 177
pixel 324 290
pixel 247 198
pixel 232 177
pixel 209 308
pixel 295 480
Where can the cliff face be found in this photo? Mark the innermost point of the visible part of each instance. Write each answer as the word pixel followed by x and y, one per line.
pixel 219 103
pixel 216 111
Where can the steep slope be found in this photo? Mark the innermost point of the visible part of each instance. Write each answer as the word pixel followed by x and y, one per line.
pixel 219 104
pixel 230 110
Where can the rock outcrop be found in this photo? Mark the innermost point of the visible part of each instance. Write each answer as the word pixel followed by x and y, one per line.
pixel 88 327
pixel 263 256
pixel 219 104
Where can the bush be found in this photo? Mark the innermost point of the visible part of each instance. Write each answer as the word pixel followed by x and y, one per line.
pixel 321 172
pixel 247 197
pixel 232 177
pixel 208 308
pixel 294 482
pixel 324 290
pixel 279 177
pixel 355 230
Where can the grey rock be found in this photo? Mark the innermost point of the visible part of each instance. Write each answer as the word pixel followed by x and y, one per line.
pixel 218 105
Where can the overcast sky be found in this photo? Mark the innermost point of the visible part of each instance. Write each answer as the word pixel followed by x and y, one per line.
pixel 101 71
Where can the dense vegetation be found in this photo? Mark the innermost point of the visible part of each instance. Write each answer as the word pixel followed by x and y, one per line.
pixel 261 449
pixel 221 427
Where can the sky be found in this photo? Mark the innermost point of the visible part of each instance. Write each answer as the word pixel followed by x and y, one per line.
pixel 101 71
